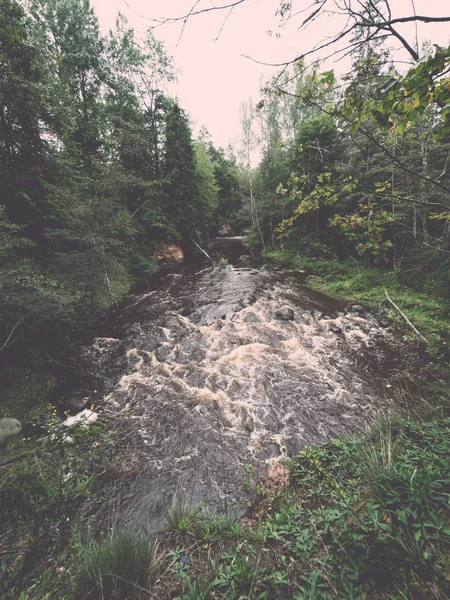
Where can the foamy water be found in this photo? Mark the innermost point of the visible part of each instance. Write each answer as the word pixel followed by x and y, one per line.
pixel 214 381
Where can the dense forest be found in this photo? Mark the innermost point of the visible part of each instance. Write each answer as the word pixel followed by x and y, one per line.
pixel 98 171
pixel 360 170
pixel 100 180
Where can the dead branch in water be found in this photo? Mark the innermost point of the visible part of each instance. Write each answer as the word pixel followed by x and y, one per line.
pixel 204 251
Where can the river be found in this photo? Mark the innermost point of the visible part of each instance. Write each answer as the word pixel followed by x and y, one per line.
pixel 207 379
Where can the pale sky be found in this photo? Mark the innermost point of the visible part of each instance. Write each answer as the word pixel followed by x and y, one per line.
pixel 214 76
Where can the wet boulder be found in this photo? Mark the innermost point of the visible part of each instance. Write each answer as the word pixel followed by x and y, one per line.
pixel 226 230
pixel 38 426
pixel 357 308
pixel 285 314
pixel 73 404
pixel 170 254
pixel 9 428
pixel 250 317
pixel 245 258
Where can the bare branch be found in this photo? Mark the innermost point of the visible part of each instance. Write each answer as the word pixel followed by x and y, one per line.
pixel 186 20
pixel 406 318
pixel 194 13
pixel 411 19
pixel 360 15
pixel 9 339
pixel 223 25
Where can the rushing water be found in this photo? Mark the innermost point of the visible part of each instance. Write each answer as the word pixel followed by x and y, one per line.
pixel 212 380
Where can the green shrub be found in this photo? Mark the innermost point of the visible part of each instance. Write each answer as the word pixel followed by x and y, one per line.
pixel 115 567
pixel 215 525
pixel 220 261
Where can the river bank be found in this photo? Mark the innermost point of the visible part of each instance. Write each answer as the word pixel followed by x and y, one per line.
pixel 210 384
pixel 352 280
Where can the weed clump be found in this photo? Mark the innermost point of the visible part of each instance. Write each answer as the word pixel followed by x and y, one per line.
pixel 183 518
pixel 115 567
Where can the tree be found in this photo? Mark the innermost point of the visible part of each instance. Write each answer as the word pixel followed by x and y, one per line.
pixel 206 184
pixel 21 146
pixel 71 33
pixel 226 179
pixel 183 205
pixel 249 143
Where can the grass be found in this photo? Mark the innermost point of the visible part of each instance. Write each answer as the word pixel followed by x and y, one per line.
pixel 43 483
pixel 381 448
pixel 116 567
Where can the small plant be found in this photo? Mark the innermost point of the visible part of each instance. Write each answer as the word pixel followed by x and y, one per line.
pixel 250 486
pixel 312 587
pixel 195 590
pixel 242 576
pixel 178 561
pixel 216 525
pixel 220 261
pixel 184 519
pixel 235 530
pixel 116 566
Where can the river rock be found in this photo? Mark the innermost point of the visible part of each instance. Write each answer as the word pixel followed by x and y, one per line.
pixel 336 330
pixel 37 426
pixel 73 404
pixel 356 308
pixel 285 314
pixel 9 428
pixel 170 254
pixel 85 417
pixel 251 318
pixel 245 258
pixel 226 230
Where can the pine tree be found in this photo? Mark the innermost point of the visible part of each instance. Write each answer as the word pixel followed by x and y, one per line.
pixel 20 140
pixel 183 205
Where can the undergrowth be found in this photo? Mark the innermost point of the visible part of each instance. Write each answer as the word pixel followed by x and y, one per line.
pixel 364 518
pixel 43 483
